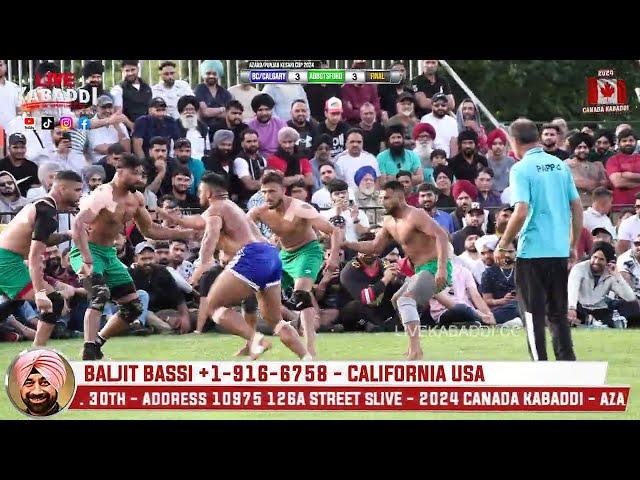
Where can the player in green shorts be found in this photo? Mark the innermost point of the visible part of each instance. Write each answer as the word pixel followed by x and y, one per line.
pixel 293 222
pixel 94 259
pixel 427 246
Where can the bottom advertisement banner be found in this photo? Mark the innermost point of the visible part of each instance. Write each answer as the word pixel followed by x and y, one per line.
pixel 533 399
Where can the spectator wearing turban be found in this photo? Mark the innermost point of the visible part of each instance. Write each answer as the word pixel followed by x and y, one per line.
pixel 92 73
pixel 212 97
pixel 424 134
pixel 465 194
pixel 192 128
pixel 289 160
pixel 498 159
pixel 367 195
pixel 221 161
pixel 93 176
pixel 605 141
pixel 586 175
pixel 266 124
pixel 40 374
pixel 468 162
pixel 46 172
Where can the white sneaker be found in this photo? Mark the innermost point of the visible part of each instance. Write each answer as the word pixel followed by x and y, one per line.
pixel 513 323
pixel 598 324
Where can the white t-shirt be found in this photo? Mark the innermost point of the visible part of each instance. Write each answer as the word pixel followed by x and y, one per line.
pixel 72 161
pixel 198 144
pixel 593 219
pixel 103 135
pixel 350 229
pixel 116 94
pixel 322 198
pixel 446 128
pixel 629 228
pixel 171 95
pixel 245 97
pixel 283 95
pixel 347 166
pixel 628 263
pixel 467 260
pixel 505 196
pixel 9 101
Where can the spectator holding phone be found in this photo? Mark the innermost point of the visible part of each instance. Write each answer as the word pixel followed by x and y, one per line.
pixel 345 212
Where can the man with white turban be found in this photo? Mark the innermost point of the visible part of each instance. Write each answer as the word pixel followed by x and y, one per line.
pixel 212 97
pixel 40 374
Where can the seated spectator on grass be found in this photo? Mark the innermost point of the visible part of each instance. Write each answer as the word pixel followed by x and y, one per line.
pixel 46 173
pixel 464 193
pixel 266 124
pixel 180 183
pixel 183 151
pixel 600 234
pixel 485 246
pixel 354 158
pixel 629 228
pixel 191 128
pixel 628 265
pixel 249 165
pixel 330 295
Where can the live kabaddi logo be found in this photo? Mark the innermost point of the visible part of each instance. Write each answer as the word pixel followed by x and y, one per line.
pixel 606 93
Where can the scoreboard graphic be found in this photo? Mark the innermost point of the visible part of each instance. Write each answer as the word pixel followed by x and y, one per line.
pixel 286 72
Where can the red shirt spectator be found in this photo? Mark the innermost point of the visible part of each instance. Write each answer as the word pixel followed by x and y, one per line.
pixel 354 96
pixel 619 164
pixel 584 244
pixel 277 163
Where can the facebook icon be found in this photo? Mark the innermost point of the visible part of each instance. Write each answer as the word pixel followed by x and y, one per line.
pixel 84 123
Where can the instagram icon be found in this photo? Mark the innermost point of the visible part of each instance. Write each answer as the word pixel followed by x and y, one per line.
pixel 66 123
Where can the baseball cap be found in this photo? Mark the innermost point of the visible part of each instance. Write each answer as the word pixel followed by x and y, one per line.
pixel 507 208
pixel 181 142
pixel 17 138
pixel 104 100
pixel 158 102
pixel 406 96
pixel 439 96
pixel 333 105
pixel 598 230
pixel 143 246
pixel 475 207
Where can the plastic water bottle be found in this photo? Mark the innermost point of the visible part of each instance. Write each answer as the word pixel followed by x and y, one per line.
pixel 618 320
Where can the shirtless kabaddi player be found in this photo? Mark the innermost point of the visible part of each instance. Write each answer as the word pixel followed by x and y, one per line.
pixel 94 256
pixel 26 237
pixel 253 266
pixel 293 222
pixel 426 244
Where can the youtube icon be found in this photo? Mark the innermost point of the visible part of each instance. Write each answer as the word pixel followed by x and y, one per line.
pixel 29 122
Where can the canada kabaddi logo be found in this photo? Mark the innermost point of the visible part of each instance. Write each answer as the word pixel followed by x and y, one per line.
pixel 606 93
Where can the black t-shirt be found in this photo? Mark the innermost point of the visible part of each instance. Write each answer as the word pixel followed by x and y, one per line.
pixel 221 124
pixel 317 95
pixel 561 154
pixel 421 84
pixel 372 139
pixel 190 202
pixel 338 136
pixel 389 97
pixel 46 221
pixel 363 287
pixel 465 171
pixel 307 134
pixel 109 170
pixel 445 201
pixel 497 281
pixel 165 186
pixel 160 285
pixel 27 170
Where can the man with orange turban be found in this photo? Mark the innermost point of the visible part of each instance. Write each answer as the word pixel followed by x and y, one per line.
pixel 40 374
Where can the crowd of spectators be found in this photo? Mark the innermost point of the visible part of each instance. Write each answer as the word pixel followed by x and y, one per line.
pixel 335 148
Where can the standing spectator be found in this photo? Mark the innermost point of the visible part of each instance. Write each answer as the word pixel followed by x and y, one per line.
pixel 110 162
pixel 322 198
pixel 623 169
pixel 92 73
pixel 46 174
pixel 628 229
pixel 354 158
pixel 63 154
pixel 354 95
pixel 498 161
pixel 468 118
pixel 397 158
pixel 355 221
pixel 552 139
pixel 156 124
pixel 24 171
pixel 289 160
pixel 170 89
pixel 318 94
pixel 389 93
pixel 249 165
pixel 334 126
pixel 212 97
pixel 322 154
pixel 486 196
pixel 232 121
pixel 244 93
pixel 101 138
pixel 406 117
pixel 423 135
pixel 11 201
pixel 10 95
pixel 428 84
pixel 427 199
pixel 182 151
pixel 445 125
pixel 284 94
pixel 266 124
pixel 372 129
pixel 563 132
pixel 192 128
pixel 180 183
pixel 93 176
pixel 545 201
pixel 466 164
pixel 221 161
pixel 597 215
pixel 464 243
pixel 160 165
pixel 410 196
pixel 590 283
pixel 443 178
pixel 586 175
pixel 304 125
pixel 498 287
pixel 605 142
pixel 367 195
pixel 132 95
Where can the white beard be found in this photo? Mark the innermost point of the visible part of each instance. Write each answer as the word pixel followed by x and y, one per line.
pixel 189 121
pixel 424 152
pixel 368 190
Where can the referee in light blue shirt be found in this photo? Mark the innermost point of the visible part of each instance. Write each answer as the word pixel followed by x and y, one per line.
pixel 548 219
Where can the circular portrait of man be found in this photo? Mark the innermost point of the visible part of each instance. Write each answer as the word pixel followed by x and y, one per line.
pixel 40 382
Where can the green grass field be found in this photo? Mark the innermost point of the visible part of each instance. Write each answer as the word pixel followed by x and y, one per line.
pixel 614 346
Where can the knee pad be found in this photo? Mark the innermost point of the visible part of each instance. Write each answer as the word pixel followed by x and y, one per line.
pixel 57 302
pixel 408 309
pixel 301 300
pixel 97 291
pixel 250 304
pixel 130 311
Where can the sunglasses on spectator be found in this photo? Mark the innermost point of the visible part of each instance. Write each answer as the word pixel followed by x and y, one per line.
pixel 637 244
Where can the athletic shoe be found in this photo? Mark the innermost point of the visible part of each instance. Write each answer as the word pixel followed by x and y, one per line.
pixel 514 323
pixel 91 352
pixel 598 324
